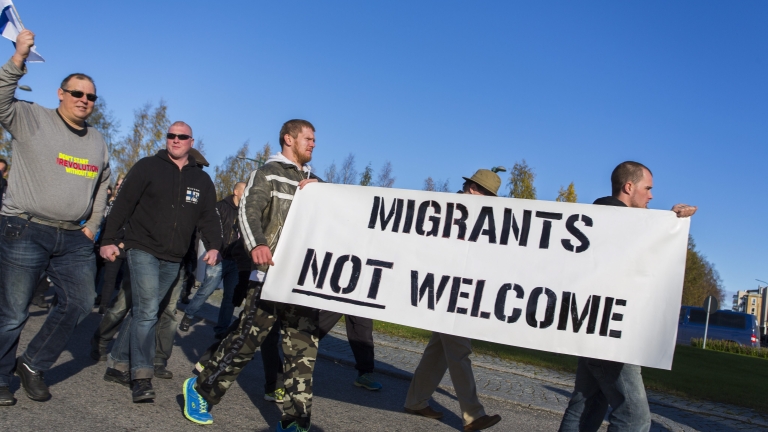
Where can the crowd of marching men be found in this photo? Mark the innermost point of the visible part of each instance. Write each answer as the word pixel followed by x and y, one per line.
pixel 139 244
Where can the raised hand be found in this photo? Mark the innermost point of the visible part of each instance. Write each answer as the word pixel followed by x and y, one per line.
pixel 24 42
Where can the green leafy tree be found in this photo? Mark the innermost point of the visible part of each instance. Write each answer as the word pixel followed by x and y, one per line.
pixel 567 194
pixel 237 168
pixel 521 181
pixel 147 137
pixel 366 178
pixel 701 278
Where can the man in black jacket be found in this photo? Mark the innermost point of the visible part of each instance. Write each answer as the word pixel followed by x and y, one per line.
pixel 234 269
pixel 600 383
pixel 162 199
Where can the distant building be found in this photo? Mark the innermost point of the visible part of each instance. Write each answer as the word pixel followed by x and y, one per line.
pixel 754 302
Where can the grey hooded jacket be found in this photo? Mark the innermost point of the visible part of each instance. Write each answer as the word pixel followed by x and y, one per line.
pixel 268 197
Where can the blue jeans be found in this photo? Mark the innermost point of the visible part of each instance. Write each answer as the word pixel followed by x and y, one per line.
pixel 135 347
pixel 27 251
pixel 166 324
pixel 227 270
pixel 600 383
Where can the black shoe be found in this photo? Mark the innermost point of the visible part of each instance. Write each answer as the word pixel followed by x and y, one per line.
pixel 118 377
pixel 6 397
pixel 185 323
pixel 162 372
pixel 98 352
pixel 142 390
pixel 427 412
pixel 32 382
pixel 483 422
pixel 39 301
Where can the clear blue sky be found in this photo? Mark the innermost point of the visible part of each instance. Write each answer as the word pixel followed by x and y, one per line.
pixel 442 88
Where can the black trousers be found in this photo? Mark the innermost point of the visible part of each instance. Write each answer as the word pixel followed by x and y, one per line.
pixel 42 286
pixel 112 270
pixel 359 333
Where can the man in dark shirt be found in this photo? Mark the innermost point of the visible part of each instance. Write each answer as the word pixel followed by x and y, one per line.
pixel 600 383
pixel 234 269
pixel 161 201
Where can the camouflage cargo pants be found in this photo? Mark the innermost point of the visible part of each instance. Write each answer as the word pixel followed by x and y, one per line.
pixel 299 328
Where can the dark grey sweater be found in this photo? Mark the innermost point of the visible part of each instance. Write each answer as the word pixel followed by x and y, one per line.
pixel 56 174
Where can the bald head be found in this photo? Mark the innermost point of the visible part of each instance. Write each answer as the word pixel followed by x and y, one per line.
pixel 238 191
pixel 239 188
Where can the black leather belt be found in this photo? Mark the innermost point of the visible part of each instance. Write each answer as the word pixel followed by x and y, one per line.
pixel 65 225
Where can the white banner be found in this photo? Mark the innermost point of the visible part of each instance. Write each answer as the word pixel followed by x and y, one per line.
pixel 588 280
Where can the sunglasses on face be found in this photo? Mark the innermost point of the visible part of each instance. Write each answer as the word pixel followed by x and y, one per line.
pixel 182 137
pixel 77 94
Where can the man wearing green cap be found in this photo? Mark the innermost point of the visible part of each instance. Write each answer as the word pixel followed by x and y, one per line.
pixel 449 352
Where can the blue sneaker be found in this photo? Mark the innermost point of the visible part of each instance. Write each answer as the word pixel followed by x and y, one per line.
pixel 293 427
pixel 366 381
pixel 195 406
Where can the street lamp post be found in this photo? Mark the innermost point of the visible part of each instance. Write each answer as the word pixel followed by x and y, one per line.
pixel 763 322
pixel 259 162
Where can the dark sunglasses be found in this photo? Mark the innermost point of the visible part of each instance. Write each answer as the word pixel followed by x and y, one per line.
pixel 77 94
pixel 182 137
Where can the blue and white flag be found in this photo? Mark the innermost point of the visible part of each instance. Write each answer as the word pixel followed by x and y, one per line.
pixel 11 26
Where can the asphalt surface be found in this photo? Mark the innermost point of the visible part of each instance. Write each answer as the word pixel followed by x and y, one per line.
pixel 83 401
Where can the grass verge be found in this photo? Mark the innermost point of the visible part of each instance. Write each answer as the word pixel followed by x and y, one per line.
pixel 730 347
pixel 696 373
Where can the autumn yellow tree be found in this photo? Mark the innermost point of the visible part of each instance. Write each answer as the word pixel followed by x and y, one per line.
pixel 701 278
pixel 521 181
pixel 147 137
pixel 567 194
pixel 236 168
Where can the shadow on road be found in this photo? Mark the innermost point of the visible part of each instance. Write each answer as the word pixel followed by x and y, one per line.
pixel 79 346
pixel 692 420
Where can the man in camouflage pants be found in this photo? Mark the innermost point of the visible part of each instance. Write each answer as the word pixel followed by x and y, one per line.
pixel 263 210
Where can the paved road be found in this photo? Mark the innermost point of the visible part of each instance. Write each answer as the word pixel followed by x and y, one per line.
pixel 527 397
pixel 83 401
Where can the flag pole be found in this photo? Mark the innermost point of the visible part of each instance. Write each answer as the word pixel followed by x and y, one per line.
pixel 16 15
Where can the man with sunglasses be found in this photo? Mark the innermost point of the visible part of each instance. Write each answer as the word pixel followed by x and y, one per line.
pixel 162 200
pixel 57 192
pixel 451 353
